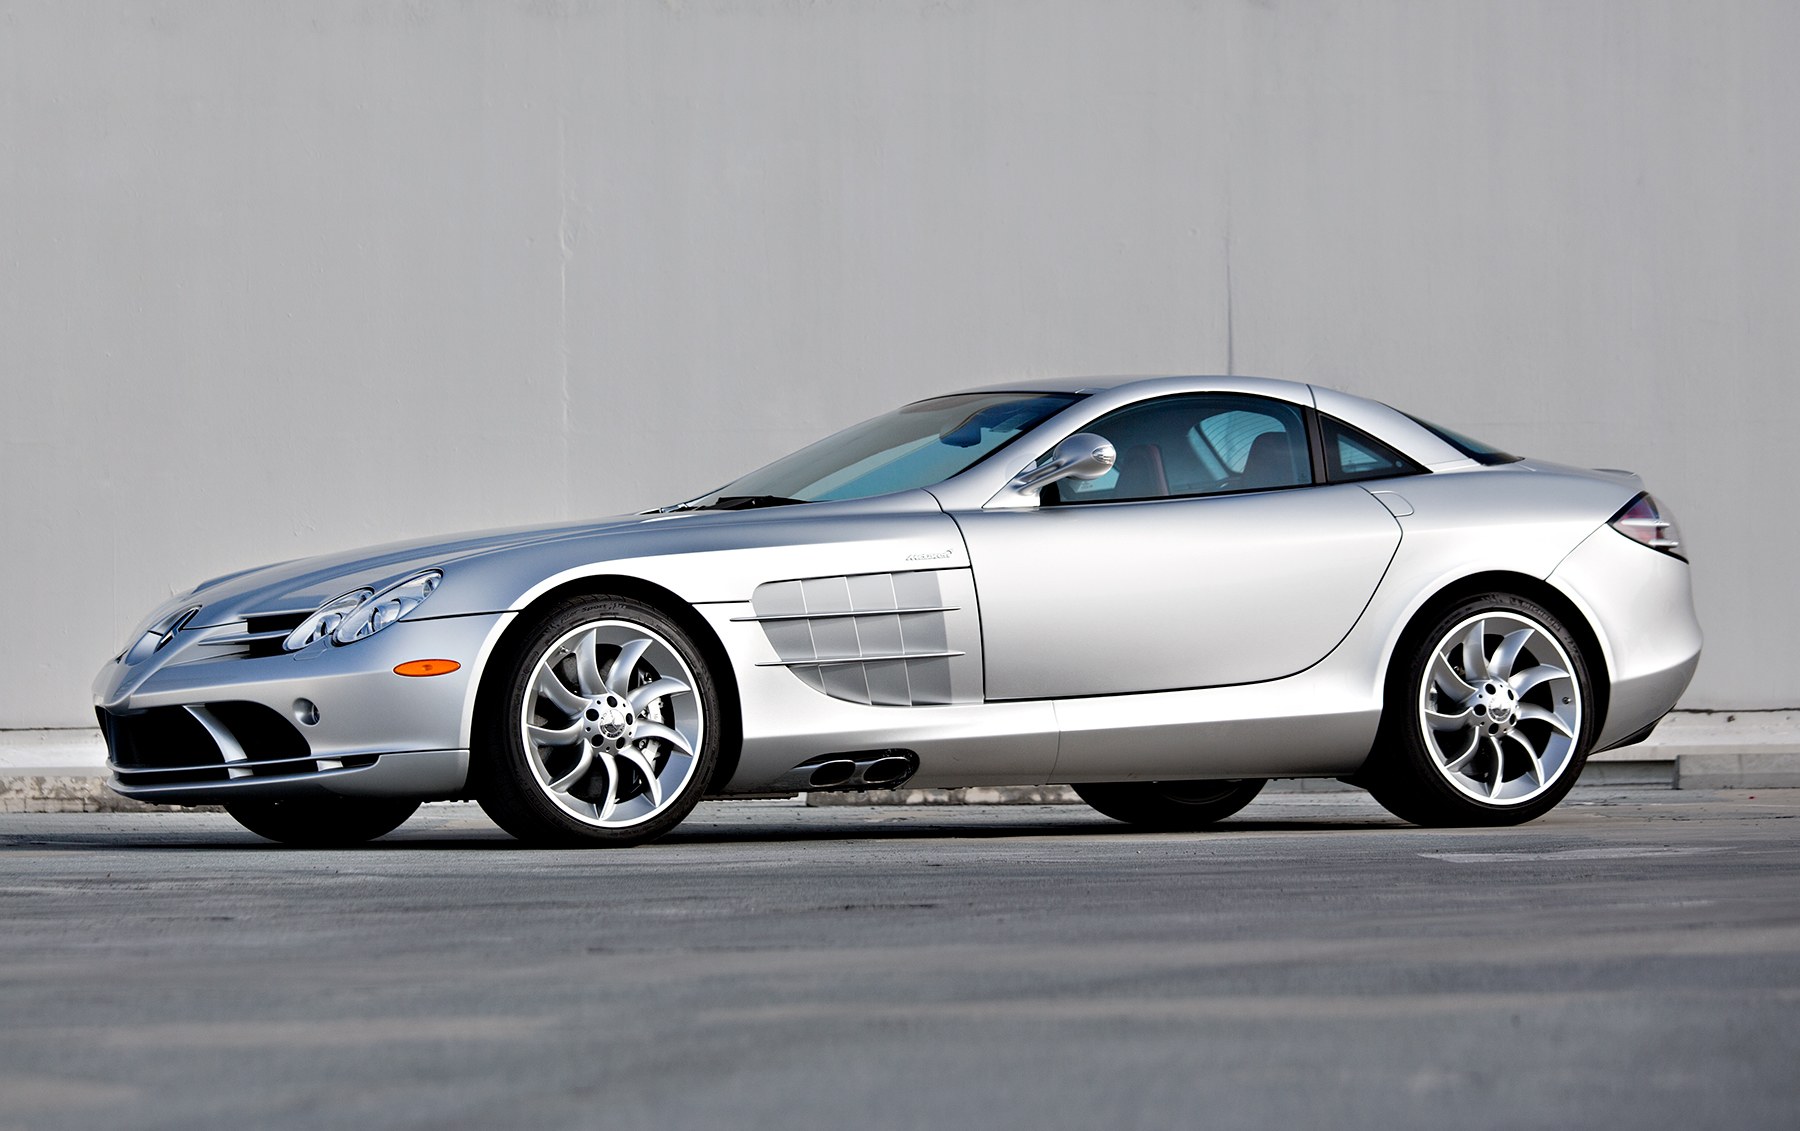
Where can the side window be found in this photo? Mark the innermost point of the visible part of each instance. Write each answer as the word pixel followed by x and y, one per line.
pixel 1197 444
pixel 1351 455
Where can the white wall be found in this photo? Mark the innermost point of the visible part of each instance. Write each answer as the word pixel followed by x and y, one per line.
pixel 282 278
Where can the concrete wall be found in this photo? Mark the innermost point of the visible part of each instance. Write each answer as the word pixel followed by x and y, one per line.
pixel 282 278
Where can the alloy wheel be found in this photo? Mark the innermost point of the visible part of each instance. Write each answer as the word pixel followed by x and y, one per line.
pixel 611 725
pixel 1499 708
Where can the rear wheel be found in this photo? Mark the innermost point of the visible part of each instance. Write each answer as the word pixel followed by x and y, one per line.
pixel 604 731
pixel 327 821
pixel 1171 804
pixel 1488 720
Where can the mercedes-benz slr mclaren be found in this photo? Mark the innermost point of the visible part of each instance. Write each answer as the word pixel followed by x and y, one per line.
pixel 1163 592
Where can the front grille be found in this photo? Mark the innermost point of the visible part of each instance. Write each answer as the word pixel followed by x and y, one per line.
pixel 157 740
pixel 208 742
pixel 264 629
pixel 262 732
pixel 250 638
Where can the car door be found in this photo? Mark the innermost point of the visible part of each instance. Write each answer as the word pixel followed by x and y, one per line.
pixel 1207 556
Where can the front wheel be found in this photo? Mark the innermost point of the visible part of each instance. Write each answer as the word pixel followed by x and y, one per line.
pixel 322 821
pixel 604 730
pixel 1488 720
pixel 1171 805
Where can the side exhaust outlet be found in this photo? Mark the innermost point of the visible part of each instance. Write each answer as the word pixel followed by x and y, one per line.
pixel 859 769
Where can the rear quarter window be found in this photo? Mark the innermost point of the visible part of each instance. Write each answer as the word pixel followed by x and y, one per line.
pixel 1352 454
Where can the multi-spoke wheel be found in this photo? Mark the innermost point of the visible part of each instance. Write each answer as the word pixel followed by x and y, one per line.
pixel 1488 721
pixel 605 733
pixel 1171 804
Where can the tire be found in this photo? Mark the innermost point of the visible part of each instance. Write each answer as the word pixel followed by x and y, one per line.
pixel 571 752
pixel 1171 805
pixel 1502 749
pixel 325 821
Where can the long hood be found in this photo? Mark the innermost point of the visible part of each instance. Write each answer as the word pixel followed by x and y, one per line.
pixel 305 583
pixel 474 563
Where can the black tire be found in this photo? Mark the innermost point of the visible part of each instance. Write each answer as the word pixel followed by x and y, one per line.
pixel 1412 771
pixel 322 821
pixel 1171 805
pixel 507 765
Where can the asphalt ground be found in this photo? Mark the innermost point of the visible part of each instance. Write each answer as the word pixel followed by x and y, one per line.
pixel 1632 960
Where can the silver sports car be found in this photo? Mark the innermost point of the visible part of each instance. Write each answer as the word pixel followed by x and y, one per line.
pixel 1164 592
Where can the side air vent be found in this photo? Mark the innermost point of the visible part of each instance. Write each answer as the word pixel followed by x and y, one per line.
pixel 876 638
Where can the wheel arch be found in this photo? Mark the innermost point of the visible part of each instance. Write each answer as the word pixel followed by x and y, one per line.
pixel 493 674
pixel 1573 617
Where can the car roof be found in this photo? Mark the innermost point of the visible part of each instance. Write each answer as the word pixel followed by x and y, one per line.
pixel 1387 424
pixel 1099 384
pixel 1058 384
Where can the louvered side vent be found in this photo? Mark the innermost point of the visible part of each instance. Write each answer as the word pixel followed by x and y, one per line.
pixel 876 638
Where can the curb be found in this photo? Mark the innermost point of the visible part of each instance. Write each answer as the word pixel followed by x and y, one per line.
pixel 1601 775
pixel 72 791
pixel 1742 770
pixel 66 791
pixel 61 771
pixel 973 795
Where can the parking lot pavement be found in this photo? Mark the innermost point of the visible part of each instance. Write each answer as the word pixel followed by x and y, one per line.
pixel 1631 960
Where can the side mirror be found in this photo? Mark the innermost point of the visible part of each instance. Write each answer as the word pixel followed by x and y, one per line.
pixel 1081 456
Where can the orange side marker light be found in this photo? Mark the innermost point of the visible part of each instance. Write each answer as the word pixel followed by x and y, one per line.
pixel 426 667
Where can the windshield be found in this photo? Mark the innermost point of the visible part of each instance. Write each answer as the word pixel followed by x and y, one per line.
pixel 911 447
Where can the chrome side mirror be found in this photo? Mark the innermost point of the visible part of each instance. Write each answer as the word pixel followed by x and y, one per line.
pixel 1081 456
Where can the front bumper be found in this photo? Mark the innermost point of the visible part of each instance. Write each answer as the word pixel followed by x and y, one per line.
pixel 190 727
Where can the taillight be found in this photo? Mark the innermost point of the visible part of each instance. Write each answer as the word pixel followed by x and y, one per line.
pixel 1644 520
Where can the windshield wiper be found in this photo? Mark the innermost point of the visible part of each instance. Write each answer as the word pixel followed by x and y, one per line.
pixel 749 502
pixel 732 503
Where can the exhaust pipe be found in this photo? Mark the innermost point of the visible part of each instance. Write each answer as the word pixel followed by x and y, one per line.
pixel 861 769
pixel 836 772
pixel 888 772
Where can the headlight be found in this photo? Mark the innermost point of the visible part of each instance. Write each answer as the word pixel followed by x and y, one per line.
pixel 325 619
pixel 386 607
pixel 363 612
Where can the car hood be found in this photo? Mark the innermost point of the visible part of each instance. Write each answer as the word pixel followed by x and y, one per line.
pixel 304 584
